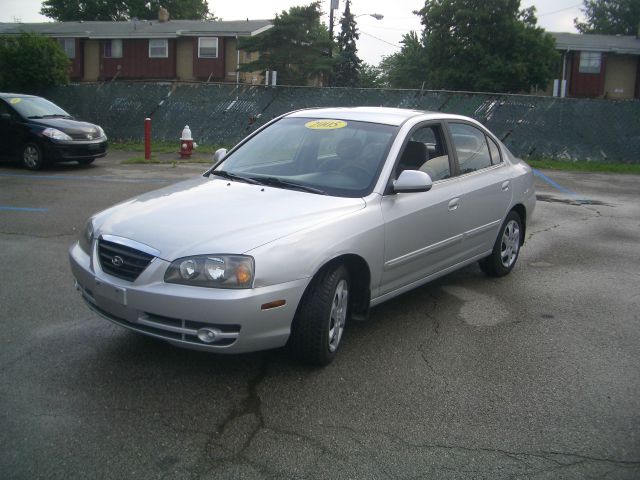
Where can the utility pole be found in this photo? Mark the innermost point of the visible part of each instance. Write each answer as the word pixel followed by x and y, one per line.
pixel 333 6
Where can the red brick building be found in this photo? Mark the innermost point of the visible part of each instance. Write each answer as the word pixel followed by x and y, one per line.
pixel 598 65
pixel 151 49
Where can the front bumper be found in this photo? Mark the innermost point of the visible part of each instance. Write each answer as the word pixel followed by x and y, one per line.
pixel 75 150
pixel 175 313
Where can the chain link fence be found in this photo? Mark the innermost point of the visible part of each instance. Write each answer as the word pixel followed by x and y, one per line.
pixel 222 114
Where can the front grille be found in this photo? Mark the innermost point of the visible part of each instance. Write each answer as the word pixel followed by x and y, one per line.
pixel 84 136
pixel 122 261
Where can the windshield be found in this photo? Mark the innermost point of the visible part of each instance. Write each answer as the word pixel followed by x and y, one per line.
pixel 36 107
pixel 331 156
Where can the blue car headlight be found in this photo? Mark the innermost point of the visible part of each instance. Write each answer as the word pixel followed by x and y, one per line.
pixel 55 134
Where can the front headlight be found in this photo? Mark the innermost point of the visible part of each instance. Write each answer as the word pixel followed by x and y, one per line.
pixel 86 238
pixel 213 271
pixel 55 134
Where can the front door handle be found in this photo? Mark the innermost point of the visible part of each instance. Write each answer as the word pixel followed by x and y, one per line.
pixel 505 186
pixel 453 204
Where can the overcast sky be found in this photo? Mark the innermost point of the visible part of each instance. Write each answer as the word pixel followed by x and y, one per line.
pixel 377 37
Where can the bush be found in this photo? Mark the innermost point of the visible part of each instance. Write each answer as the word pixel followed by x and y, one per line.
pixel 31 62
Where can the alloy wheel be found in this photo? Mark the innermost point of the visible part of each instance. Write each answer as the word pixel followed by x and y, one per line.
pixel 510 244
pixel 338 317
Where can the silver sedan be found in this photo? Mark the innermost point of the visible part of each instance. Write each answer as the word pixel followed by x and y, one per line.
pixel 306 224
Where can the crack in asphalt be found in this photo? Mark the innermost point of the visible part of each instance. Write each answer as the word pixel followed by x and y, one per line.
pixel 544 230
pixel 252 406
pixel 523 458
pixel 422 348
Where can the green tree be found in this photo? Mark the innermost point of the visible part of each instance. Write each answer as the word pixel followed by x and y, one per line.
pixel 370 76
pixel 610 17
pixel 347 69
pixel 490 46
pixel 408 67
pixel 30 62
pixel 120 10
pixel 297 46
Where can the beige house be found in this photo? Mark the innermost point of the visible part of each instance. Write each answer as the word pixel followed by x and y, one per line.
pixel 188 50
pixel 597 66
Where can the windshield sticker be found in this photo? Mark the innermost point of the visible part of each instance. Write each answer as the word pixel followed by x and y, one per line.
pixel 13 101
pixel 325 124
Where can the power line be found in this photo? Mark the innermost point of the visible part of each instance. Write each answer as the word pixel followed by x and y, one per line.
pixel 558 11
pixel 380 39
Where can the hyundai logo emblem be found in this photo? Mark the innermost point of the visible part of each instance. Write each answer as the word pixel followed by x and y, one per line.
pixel 117 261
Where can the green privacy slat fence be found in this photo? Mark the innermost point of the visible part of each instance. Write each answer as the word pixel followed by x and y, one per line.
pixel 573 129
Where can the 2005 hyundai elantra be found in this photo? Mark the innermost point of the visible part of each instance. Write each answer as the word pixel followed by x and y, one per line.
pixel 308 222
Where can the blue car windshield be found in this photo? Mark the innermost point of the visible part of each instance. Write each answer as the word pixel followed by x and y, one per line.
pixel 332 156
pixel 36 107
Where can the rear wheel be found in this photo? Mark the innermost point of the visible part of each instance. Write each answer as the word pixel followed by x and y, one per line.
pixel 32 156
pixel 506 249
pixel 322 315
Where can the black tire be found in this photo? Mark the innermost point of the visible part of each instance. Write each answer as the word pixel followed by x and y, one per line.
pixel 31 156
pixel 86 161
pixel 506 249
pixel 317 328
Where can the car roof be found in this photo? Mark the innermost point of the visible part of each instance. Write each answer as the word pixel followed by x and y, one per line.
pixel 384 115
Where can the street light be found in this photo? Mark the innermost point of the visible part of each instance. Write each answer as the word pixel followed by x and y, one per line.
pixel 377 16
pixel 334 5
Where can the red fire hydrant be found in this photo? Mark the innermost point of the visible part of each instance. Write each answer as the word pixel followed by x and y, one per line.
pixel 186 143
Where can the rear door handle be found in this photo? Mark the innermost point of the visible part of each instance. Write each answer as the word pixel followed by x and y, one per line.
pixel 505 186
pixel 453 204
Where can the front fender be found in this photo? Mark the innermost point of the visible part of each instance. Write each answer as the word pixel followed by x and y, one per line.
pixel 302 254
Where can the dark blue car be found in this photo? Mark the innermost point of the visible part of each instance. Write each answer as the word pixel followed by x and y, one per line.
pixel 37 132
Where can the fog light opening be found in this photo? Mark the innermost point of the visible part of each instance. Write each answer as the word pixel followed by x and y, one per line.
pixel 207 335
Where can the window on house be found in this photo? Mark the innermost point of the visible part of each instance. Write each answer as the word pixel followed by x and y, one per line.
pixel 590 62
pixel 207 47
pixel 113 48
pixel 159 48
pixel 69 46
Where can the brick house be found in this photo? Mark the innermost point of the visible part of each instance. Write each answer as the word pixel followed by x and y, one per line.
pixel 598 66
pixel 151 49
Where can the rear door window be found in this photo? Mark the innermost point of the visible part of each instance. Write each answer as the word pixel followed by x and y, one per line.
pixel 471 147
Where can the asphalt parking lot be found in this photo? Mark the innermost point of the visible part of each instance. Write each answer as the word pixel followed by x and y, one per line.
pixel 535 375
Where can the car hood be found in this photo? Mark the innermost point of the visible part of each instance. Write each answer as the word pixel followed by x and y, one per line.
pixel 67 125
pixel 207 215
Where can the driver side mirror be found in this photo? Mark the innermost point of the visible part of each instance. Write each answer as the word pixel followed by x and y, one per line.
pixel 412 181
pixel 219 155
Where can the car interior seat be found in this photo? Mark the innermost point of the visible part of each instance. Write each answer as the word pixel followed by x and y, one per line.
pixel 413 157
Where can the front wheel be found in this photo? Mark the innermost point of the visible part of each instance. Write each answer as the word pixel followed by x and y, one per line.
pixel 86 161
pixel 317 329
pixel 32 156
pixel 506 249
